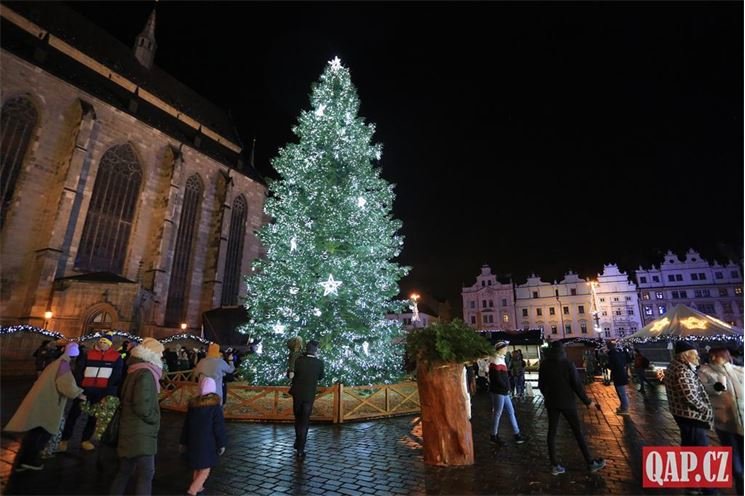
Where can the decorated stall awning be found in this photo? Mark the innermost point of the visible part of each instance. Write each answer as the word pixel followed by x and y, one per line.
pixel 683 322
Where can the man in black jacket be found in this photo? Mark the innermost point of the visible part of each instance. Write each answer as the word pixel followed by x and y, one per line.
pixel 617 362
pixel 308 371
pixel 559 383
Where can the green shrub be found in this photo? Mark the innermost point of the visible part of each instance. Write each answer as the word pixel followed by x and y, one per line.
pixel 447 342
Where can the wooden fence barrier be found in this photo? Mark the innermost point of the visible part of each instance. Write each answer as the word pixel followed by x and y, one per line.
pixel 337 403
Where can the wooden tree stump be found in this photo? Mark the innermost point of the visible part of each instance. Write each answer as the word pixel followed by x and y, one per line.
pixel 446 431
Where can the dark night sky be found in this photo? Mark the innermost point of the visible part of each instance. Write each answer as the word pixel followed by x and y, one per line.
pixel 533 137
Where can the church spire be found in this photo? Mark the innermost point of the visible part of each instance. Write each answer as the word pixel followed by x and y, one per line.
pixel 145 44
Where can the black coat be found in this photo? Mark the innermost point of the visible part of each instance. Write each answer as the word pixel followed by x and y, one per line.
pixel 203 433
pixel 617 365
pixel 308 371
pixel 559 382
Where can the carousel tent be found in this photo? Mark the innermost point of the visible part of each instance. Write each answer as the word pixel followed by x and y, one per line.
pixel 683 322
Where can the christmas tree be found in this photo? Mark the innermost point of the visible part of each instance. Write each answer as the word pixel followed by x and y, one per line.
pixel 328 273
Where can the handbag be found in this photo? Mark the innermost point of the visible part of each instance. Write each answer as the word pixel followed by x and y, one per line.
pixel 110 436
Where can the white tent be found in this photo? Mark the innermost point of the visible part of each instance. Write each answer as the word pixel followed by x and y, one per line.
pixel 683 322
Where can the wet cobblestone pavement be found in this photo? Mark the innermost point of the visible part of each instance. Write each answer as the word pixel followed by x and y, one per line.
pixel 382 457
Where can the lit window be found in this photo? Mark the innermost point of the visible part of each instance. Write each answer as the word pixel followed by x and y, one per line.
pixel 645 295
pixel 659 295
pixel 738 290
pixel 505 318
pixel 648 310
pixel 554 330
pixel 661 309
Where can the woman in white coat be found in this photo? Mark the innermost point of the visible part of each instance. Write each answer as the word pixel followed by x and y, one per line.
pixel 723 382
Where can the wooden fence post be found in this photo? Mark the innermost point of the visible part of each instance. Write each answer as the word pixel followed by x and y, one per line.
pixel 339 403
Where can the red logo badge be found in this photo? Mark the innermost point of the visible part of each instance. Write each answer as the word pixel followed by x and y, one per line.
pixel 686 466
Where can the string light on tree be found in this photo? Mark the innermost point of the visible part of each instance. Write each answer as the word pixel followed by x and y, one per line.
pixel 330 197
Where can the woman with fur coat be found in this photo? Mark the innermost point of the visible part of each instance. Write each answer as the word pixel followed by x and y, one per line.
pixel 203 434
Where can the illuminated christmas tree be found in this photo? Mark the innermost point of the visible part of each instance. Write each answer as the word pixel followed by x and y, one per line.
pixel 329 273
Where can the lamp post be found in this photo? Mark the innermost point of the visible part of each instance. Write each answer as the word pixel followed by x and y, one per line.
pixel 596 309
pixel 414 308
pixel 47 317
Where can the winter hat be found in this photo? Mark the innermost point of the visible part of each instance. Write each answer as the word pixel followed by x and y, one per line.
pixel 213 351
pixel 312 347
pixel 105 339
pixel 500 345
pixel 72 349
pixel 207 385
pixel 150 350
pixel 682 346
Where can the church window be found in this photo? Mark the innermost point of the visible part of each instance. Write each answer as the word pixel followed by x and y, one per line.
pixel 17 124
pixel 103 245
pixel 187 227
pixel 234 252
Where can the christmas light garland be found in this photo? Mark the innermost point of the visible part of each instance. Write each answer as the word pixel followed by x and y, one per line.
pixel 7 330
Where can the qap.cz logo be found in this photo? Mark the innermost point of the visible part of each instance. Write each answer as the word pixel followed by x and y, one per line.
pixel 686 466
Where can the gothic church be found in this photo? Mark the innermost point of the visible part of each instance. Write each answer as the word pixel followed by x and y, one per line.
pixel 127 201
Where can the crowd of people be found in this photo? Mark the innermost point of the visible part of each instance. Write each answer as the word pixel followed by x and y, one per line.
pixel 700 397
pixel 72 381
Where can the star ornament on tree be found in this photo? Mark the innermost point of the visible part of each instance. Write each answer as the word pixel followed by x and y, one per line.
pixel 335 63
pixel 330 286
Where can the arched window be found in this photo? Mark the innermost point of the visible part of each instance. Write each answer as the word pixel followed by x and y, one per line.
pixel 187 227
pixel 103 246
pixel 98 322
pixel 17 121
pixel 234 254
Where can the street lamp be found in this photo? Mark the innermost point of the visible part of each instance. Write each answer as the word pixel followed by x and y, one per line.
pixel 414 308
pixel 183 326
pixel 47 317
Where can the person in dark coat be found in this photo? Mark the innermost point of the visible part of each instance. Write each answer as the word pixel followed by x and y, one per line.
pixel 559 382
pixel 617 361
pixel 308 371
pixel 203 434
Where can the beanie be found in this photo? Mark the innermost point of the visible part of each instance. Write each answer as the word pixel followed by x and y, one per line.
pixel 150 350
pixel 682 346
pixel 213 351
pixel 500 345
pixel 106 340
pixel 207 385
pixel 72 349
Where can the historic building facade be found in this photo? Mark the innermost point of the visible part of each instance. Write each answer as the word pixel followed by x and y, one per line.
pixel 574 307
pixel 489 305
pixel 711 288
pixel 126 201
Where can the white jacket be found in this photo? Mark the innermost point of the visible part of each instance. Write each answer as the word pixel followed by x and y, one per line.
pixel 727 404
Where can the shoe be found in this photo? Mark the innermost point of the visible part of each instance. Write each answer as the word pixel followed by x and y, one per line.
pixel 495 439
pixel 30 466
pixel 622 412
pixel 519 439
pixel 557 470
pixel 87 446
pixel 596 465
pixel 62 447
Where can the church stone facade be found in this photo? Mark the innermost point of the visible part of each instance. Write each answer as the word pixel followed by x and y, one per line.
pixel 127 203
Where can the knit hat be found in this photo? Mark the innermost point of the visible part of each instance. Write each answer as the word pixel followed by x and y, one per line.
pixel 207 385
pixel 106 340
pixel 682 346
pixel 213 351
pixel 150 350
pixel 500 345
pixel 72 349
pixel 312 347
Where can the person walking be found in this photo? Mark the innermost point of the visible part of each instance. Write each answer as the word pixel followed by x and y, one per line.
pixel 641 363
pixel 723 382
pixel 140 419
pixel 559 382
pixel 687 399
pixel 517 366
pixel 103 368
pixel 214 366
pixel 41 410
pixel 499 390
pixel 203 435
pixel 619 375
pixel 309 369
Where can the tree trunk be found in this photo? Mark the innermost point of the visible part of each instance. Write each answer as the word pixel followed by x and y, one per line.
pixel 446 431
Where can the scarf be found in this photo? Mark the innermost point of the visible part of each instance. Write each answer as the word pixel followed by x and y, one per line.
pixel 156 371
